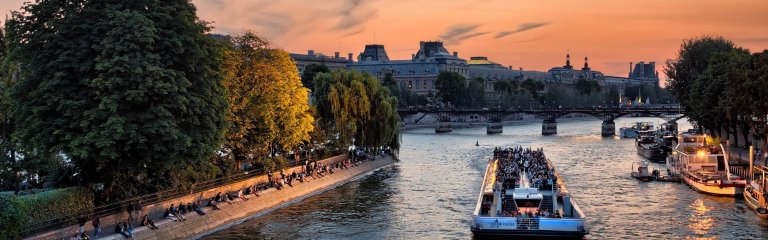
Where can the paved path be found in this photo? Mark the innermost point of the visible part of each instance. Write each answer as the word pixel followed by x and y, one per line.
pixel 231 214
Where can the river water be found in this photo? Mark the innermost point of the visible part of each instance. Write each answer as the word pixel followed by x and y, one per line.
pixel 431 192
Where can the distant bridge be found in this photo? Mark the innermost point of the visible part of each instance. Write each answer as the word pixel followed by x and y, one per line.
pixel 494 116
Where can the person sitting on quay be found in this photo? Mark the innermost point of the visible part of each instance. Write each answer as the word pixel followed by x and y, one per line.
pixel 241 195
pixel 213 204
pixel 228 198
pixel 168 215
pixel 84 236
pixel 196 207
pixel 182 210
pixel 146 221
pixel 127 229
pixel 176 212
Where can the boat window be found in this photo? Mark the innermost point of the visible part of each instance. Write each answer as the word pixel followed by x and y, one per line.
pixel 720 163
pixel 689 139
pixel 527 203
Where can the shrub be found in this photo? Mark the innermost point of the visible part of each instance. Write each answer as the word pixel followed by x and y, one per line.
pixel 11 216
pixel 55 205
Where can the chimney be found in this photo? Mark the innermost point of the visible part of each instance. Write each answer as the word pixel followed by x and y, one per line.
pixel 630 69
pixel 349 57
pixel 336 55
pixel 413 56
pixel 311 52
pixel 456 54
pixel 510 67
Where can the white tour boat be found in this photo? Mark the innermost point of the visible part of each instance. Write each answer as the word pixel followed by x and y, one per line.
pixel 527 199
pixel 704 166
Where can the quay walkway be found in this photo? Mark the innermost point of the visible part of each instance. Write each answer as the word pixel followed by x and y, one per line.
pixel 196 226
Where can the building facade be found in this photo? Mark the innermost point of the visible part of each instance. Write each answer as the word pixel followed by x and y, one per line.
pixel 419 73
pixel 332 62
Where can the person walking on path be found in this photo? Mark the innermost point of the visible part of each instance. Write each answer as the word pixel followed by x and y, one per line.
pixel 81 221
pixel 96 226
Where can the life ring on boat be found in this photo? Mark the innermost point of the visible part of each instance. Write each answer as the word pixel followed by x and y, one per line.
pixel 762 211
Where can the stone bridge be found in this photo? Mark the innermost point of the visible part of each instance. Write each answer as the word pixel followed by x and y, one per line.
pixel 548 116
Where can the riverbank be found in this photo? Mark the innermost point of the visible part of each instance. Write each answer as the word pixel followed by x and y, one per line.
pixel 196 226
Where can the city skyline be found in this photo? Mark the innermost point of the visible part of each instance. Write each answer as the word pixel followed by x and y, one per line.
pixel 527 34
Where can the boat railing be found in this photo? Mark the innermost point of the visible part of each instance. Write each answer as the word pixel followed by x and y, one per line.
pixel 740 171
pixel 528 223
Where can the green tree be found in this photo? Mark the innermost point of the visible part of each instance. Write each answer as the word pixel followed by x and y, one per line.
pixel 696 94
pixel 451 87
pixel 506 88
pixel 532 87
pixel 757 84
pixel 731 70
pixel 587 87
pixel 268 109
pixel 309 73
pixel 355 109
pixel 129 91
pixel 475 93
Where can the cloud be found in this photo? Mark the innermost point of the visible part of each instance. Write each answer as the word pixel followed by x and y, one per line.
pixel 354 13
pixel 275 24
pixel 522 28
pixel 457 33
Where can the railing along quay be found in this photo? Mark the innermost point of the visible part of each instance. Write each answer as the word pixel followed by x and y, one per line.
pixel 117 207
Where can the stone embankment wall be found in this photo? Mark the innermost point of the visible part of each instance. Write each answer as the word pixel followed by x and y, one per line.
pixel 231 214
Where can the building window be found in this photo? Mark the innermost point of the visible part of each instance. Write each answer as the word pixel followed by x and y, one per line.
pixel 410 84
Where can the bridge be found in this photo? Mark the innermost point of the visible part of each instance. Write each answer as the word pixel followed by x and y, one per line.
pixel 549 116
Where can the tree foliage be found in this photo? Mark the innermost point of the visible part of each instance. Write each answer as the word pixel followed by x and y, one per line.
pixel 451 87
pixel 128 91
pixel 475 93
pixel 532 87
pixel 587 87
pixel 720 85
pixel 309 73
pixel 356 110
pixel 268 108
pixel 404 96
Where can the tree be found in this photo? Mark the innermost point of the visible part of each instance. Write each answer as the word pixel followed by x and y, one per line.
pixel 587 87
pixel 130 92
pixel 309 73
pixel 757 84
pixel 533 87
pixel 731 70
pixel 450 87
pixel 696 94
pixel 268 105
pixel 475 93
pixel 506 88
pixel 355 109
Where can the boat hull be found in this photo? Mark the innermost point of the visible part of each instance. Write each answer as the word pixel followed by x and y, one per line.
pixel 754 204
pixel 545 227
pixel 531 233
pixel 719 190
pixel 653 154
pixel 642 178
pixel 627 133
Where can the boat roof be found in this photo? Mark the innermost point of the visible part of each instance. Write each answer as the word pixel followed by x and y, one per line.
pixel 534 196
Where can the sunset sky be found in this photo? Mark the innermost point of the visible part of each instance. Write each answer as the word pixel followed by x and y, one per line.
pixel 534 35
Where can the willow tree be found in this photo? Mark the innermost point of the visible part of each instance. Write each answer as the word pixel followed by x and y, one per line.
pixel 268 108
pixel 129 91
pixel 355 109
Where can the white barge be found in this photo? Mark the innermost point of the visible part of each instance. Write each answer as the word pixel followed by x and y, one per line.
pixel 522 195
pixel 704 166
